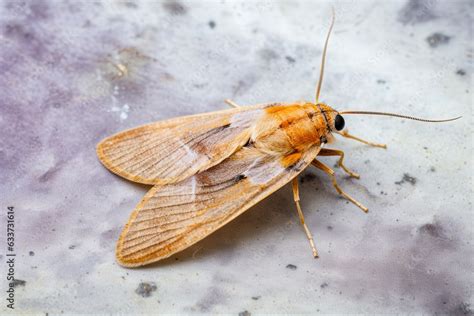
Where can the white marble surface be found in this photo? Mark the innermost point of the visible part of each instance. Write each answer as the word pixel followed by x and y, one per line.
pixel 60 94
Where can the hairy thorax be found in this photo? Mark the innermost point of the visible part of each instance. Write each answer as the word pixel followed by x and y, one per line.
pixel 289 129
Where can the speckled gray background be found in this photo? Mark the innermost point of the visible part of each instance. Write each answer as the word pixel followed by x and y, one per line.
pixel 72 73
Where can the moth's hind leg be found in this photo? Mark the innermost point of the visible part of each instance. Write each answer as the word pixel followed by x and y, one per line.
pixel 340 162
pixel 296 197
pixel 231 103
pixel 345 133
pixel 318 164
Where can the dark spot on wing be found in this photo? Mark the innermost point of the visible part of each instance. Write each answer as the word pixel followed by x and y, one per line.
pixel 436 39
pixel 245 313
pixel 381 81
pixel 416 11
pixel 31 253
pixel 324 285
pixel 461 72
pixel 240 177
pixel 145 289
pixel 212 24
pixel 256 298
pixel 248 143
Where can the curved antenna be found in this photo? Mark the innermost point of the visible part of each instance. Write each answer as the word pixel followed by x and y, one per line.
pixel 400 116
pixel 323 59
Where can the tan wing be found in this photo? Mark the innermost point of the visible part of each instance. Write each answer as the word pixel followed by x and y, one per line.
pixel 172 150
pixel 172 217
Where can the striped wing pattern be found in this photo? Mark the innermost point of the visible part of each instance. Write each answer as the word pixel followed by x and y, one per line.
pixel 174 216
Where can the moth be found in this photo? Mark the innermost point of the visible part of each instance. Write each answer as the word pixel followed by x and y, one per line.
pixel 207 169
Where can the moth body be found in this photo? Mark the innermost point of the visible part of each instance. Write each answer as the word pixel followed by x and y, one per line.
pixel 289 130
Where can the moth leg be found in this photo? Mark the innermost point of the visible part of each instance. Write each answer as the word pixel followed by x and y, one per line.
pixel 345 133
pixel 231 103
pixel 340 162
pixel 296 197
pixel 318 164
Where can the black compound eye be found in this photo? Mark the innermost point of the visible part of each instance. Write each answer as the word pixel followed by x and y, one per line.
pixel 339 122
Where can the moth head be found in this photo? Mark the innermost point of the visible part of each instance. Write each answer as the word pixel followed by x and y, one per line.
pixel 333 118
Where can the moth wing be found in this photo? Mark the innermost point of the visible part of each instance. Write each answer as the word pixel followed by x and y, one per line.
pixel 172 150
pixel 172 217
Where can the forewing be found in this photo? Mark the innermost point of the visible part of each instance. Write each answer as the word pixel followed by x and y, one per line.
pixel 172 217
pixel 172 150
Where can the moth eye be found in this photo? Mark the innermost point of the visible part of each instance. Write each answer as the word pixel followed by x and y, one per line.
pixel 339 122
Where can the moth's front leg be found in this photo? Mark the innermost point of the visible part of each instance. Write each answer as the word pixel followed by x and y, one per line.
pixel 318 164
pixel 345 133
pixel 340 162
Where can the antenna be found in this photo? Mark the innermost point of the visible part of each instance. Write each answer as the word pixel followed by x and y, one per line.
pixel 400 115
pixel 323 59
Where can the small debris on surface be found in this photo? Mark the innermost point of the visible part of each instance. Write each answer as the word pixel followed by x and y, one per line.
pixel 416 11
pixel 268 54
pixel 18 282
pixel 245 313
pixel 256 298
pixel 32 253
pixel 324 285
pixel 174 8
pixel 290 59
pixel 130 4
pixel 436 39
pixel 461 72
pixel 406 178
pixel 212 24
pixel 308 176
pixel 434 230
pixel 291 267
pixel 381 81
pixel 145 289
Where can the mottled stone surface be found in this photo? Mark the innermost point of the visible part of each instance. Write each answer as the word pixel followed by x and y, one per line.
pixel 72 73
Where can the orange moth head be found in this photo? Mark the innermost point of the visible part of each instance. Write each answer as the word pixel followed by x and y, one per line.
pixel 334 120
